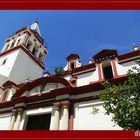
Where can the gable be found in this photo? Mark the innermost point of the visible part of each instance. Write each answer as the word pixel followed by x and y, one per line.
pixel 43 84
pixel 43 89
pixel 105 54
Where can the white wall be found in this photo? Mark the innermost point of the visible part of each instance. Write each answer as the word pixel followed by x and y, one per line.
pixel 18 67
pixel 3 79
pixel 123 68
pixel 24 68
pixel 86 78
pixel 10 60
pixel 4 121
pixel 5 69
pixel 48 87
pixel 84 119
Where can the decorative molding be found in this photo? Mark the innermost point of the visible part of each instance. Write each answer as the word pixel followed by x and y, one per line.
pixel 52 94
pixel 65 103
pixel 129 55
pixel 40 81
pixel 56 104
pixel 72 57
pixel 121 59
pixel 128 60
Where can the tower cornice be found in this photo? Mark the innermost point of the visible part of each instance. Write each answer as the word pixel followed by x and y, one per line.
pixel 26 51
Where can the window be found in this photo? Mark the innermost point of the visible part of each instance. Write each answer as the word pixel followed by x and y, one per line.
pixel 18 41
pixel 4 61
pixel 39 122
pixel 72 65
pixel 29 45
pixel 41 57
pixel 107 71
pixel 7 40
pixel 34 50
pixel 13 43
pixel 7 47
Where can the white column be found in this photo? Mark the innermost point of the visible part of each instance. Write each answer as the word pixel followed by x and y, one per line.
pixel 64 116
pixel 18 120
pixel 54 125
pixel 31 48
pixel 12 122
pixel 26 39
pixel 37 53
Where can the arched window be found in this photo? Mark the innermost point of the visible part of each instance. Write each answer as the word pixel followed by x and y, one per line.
pixel 18 42
pixel 41 57
pixel 29 45
pixel 34 51
pixel 7 47
pixel 13 43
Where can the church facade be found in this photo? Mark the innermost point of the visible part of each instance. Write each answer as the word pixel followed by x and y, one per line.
pixel 33 100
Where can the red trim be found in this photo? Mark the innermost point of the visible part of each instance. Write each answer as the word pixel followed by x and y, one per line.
pixel 38 37
pixel 114 68
pixel 8 83
pixel 99 72
pixel 129 60
pixel 4 96
pixel 71 121
pixel 69 4
pixel 72 135
pixel 26 51
pixel 75 63
pixel 72 56
pixel 71 116
pixel 68 65
pixel 50 103
pixel 41 81
pixel 83 69
pixel 80 69
pixel 129 55
pixel 20 30
pixel 62 91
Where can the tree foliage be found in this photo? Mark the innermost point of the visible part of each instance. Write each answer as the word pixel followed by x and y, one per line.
pixel 123 101
pixel 59 71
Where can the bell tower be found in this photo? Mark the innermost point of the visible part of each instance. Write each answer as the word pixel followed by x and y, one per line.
pixel 23 55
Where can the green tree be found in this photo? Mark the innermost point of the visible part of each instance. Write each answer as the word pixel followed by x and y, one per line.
pixel 123 101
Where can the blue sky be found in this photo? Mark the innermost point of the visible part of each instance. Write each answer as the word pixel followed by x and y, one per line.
pixel 85 32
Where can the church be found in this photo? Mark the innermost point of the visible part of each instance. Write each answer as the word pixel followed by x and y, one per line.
pixel 31 99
